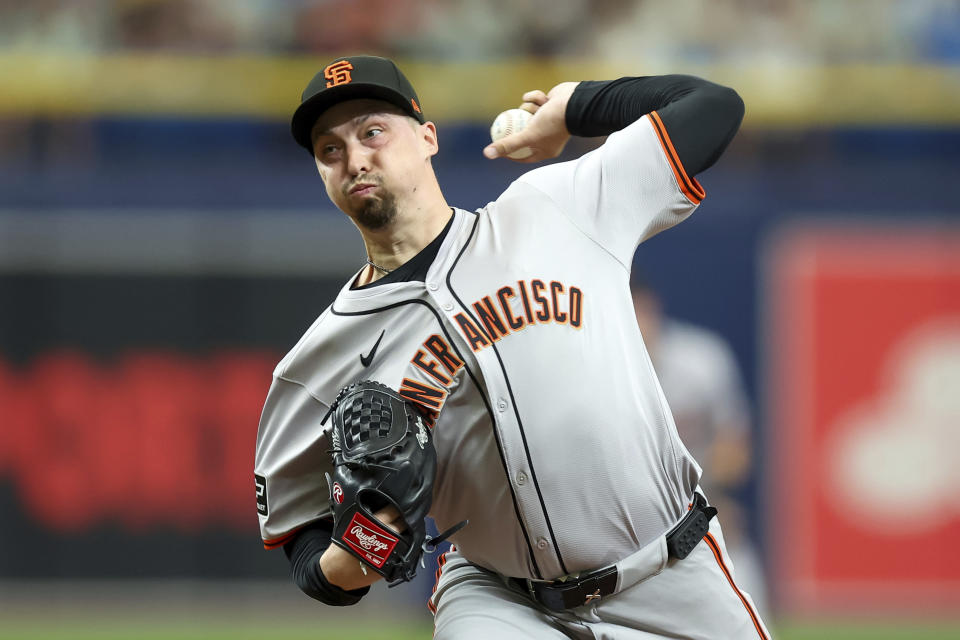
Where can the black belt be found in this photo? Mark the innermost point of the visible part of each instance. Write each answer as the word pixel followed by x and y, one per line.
pixel 590 587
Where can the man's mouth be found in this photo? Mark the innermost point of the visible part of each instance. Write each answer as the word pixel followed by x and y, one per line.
pixel 362 189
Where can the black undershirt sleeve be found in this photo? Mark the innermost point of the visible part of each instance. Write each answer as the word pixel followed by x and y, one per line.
pixel 701 117
pixel 304 553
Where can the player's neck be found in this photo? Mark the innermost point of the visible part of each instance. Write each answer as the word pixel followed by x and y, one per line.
pixel 413 229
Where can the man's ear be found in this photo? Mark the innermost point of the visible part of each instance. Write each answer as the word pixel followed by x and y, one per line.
pixel 428 136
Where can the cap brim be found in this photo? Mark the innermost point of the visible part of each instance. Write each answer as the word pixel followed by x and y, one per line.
pixel 307 113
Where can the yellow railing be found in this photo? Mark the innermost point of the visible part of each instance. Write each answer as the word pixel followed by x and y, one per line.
pixel 269 87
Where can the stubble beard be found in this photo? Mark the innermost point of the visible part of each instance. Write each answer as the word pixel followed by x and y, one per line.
pixel 376 213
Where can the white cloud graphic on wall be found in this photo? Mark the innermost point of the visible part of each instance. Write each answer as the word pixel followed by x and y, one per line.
pixel 896 457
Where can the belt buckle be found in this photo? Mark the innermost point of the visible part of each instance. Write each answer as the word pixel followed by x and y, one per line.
pixel 574 592
pixel 590 588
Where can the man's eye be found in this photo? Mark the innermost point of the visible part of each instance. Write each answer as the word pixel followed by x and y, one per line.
pixel 374 132
pixel 329 148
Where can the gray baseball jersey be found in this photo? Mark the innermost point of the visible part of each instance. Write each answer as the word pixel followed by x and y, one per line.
pixel 553 436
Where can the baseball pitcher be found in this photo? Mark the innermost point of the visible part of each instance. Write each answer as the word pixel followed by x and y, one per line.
pixel 485 368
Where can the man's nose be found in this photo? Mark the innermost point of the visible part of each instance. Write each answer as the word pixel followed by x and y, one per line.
pixel 358 159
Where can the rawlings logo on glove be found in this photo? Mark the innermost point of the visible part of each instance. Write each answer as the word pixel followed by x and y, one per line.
pixel 369 541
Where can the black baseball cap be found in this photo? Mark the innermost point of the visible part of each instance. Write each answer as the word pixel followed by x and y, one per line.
pixel 350 78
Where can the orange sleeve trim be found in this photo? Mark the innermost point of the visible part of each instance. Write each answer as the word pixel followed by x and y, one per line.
pixel 689 186
pixel 273 543
pixel 715 547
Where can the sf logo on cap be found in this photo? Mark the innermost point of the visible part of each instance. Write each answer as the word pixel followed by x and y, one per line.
pixel 338 73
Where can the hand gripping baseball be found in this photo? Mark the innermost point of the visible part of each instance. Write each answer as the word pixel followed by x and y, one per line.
pixel 383 456
pixel 546 134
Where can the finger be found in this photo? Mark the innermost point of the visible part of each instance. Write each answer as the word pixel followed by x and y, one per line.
pixel 507 145
pixel 530 107
pixel 501 148
pixel 492 151
pixel 387 513
pixel 391 517
pixel 536 96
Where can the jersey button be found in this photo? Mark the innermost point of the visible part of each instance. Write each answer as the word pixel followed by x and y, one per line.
pixel 502 404
pixel 541 543
pixel 448 306
pixel 521 478
pixel 433 286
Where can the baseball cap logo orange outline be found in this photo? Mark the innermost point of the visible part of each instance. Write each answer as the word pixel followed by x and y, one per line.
pixel 338 73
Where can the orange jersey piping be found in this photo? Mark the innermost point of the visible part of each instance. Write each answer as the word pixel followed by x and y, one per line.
pixel 715 547
pixel 689 186
pixel 440 562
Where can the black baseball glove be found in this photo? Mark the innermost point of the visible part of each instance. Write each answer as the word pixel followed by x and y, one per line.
pixel 382 455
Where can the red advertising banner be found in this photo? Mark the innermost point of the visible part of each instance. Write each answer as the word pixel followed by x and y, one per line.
pixel 863 329
pixel 152 439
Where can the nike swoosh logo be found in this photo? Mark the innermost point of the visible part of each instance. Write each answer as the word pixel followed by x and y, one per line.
pixel 365 360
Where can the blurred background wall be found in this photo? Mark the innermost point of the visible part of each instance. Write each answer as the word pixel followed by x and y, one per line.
pixel 163 242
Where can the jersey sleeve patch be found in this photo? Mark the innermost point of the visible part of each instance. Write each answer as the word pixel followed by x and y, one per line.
pixel 689 186
pixel 261 484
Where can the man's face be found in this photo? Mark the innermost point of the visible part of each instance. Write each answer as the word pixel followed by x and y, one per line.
pixel 372 158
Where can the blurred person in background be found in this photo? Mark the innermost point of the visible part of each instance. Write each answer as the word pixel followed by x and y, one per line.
pixel 173 26
pixel 701 380
pixel 373 25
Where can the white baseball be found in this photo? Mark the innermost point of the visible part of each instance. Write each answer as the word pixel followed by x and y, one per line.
pixel 508 122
